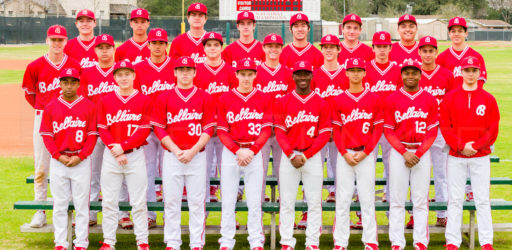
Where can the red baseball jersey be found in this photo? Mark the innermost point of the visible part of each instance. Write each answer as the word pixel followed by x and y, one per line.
pixel 69 127
pixel 357 120
pixel 215 80
pixel 452 60
pixel 238 51
pixel 96 82
pixel 124 119
pixel 400 53
pixel 292 54
pixel 244 118
pixel 469 116
pixel 302 123
pixel 187 45
pixel 274 82
pixel 411 118
pixel 361 50
pixel 183 115
pixel 383 79
pixel 329 83
pixel 132 51
pixel 82 52
pixel 152 79
pixel 437 82
pixel 41 80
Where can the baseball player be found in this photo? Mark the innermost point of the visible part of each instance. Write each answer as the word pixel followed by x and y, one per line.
pixel 69 133
pixel 155 75
pixel 41 85
pixel 351 46
pixel 437 81
pixel 123 124
pixel 407 48
pixel 303 127
pixel 410 125
pixel 183 119
pixel 244 119
pixel 300 49
pixel 81 48
pixel 190 43
pixel 96 82
pixel 136 48
pixel 246 46
pixel 469 106
pixel 357 121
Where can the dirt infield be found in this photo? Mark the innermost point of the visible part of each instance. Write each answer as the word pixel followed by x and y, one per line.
pixel 14 64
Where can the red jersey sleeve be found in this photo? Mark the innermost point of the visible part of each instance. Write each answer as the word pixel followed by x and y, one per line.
pixel 159 116
pixel 446 125
pixel 119 54
pixel 29 84
pixel 105 134
pixel 483 70
pixel 432 125
pixel 142 132
pixel 491 133
pixel 324 131
pixel 92 134
pixel 210 111
pixel 223 127
pixel 174 51
pixel 389 126
pixel 232 80
pixel 337 128
pixel 46 131
pixel 280 128
pixel 226 55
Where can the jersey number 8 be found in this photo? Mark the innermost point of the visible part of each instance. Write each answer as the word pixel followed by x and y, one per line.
pixel 79 137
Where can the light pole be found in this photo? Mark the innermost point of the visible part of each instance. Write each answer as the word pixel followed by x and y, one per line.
pixel 182 16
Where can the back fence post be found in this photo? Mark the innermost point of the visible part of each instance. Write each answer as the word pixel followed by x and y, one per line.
pixel 228 24
pixel 256 32
pixel 311 32
pixel 283 34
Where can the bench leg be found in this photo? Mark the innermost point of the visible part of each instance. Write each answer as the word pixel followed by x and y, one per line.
pixel 273 231
pixel 471 230
pixel 70 229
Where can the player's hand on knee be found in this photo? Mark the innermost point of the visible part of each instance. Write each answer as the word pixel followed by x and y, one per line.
pixel 116 150
pixel 64 159
pixel 73 161
pixel 349 158
pixel 359 156
pixel 122 160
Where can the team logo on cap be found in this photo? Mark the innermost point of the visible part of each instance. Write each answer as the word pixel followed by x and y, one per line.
pixel 158 33
pixel 184 61
pixel 247 63
pixel 212 35
pixel 470 60
pixel 302 64
pixel 355 62
pixel 406 17
pixel 245 14
pixel 299 16
pixel 456 20
pixel 57 30
pixel 123 64
pixel 273 37
pixel 382 36
pixel 353 17
pixel 139 12
pixel 84 12
pixel 427 39
pixel 328 38
pixel 104 38
pixel 69 72
pixel 198 6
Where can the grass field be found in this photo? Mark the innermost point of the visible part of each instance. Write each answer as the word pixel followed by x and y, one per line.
pixel 15 170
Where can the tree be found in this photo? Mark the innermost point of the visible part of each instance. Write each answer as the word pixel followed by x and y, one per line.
pixel 173 7
pixel 504 7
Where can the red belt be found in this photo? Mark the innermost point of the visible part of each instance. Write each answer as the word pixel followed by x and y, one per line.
pixel 39 112
pixel 69 154
pixel 199 150
pixel 358 148
pixel 244 144
pixel 411 146
pixel 131 150
pixel 301 150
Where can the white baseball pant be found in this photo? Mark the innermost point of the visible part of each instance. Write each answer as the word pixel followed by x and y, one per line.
pixel 312 176
pixel 71 184
pixel 330 151
pixel 399 178
pixel 386 149
pixel 152 152
pixel 230 178
pixel 96 161
pixel 363 174
pixel 41 160
pixel 175 176
pixel 271 145
pixel 112 176
pixel 480 174
pixel 213 151
pixel 439 158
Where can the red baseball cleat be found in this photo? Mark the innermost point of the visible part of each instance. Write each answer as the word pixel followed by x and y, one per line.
pixel 303 223
pixel 312 247
pixel 469 196
pixel 410 224
pixel 159 196
pixel 487 247
pixel 339 248
pixel 59 248
pixel 371 246
pixel 451 247
pixel 143 246
pixel 126 223
pixel 419 246
pixel 257 248
pixel 396 247
pixel 286 247
pixel 106 246
pixel 331 197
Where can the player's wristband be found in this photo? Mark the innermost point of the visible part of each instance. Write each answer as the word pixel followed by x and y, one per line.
pixel 303 155
pixel 292 156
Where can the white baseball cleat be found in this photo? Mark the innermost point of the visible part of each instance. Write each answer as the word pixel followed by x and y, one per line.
pixel 39 219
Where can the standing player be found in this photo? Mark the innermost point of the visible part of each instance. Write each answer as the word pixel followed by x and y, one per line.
pixel 303 127
pixel 81 48
pixel 69 133
pixel 351 46
pixel 136 48
pixel 183 119
pixel 190 44
pixel 410 125
pixel 41 85
pixel 246 46
pixel 357 121
pixel 437 81
pixel 123 124
pixel 244 125
pixel 469 106
pixel 407 48
pixel 300 49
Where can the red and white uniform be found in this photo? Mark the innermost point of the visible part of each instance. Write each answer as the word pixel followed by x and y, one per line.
pixel 187 45
pixel 329 83
pixel 124 120
pixel 361 50
pixel 400 53
pixel 184 115
pixel 452 60
pixel 437 82
pixel 469 116
pixel 153 79
pixel 410 124
pixel 215 80
pixel 357 123
pixel 303 126
pixel 69 128
pixel 292 54
pixel 82 52
pixel 244 120
pixel 274 82
pixel 132 51
pixel 238 51
pixel 95 82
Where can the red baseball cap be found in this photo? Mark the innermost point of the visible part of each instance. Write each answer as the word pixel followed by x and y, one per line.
pixel 302 65
pixel 355 63
pixel 69 72
pixel 457 21
pixel 56 31
pixel 139 13
pixel 381 38
pixel 470 62
pixel 123 65
pixel 86 13
pixel 212 36
pixel 184 61
pixel 157 34
pixel 330 39
pixel 352 18
pixel 299 17
pixel 428 40
pixel 273 38
pixel 245 15
pixel 105 38
pixel 407 18
pixel 199 7
pixel 246 64
pixel 410 64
